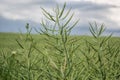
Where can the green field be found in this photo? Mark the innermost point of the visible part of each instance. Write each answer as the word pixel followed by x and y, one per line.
pixel 44 59
pixel 8 40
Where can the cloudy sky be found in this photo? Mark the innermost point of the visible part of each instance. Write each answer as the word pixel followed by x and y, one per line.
pixel 14 14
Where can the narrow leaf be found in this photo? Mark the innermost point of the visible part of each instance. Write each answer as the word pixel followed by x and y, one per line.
pixel 19 44
pixel 62 10
pixel 50 16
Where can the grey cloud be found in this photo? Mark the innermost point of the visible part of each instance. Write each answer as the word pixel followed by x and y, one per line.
pixel 82 5
pixel 47 3
pixel 39 3
pixel 27 6
pixel 8 25
pixel 83 29
pixel 90 6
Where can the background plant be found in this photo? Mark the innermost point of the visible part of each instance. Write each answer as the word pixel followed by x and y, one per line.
pixel 99 55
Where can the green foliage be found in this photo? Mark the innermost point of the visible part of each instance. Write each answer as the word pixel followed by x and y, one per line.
pixel 56 55
pixel 98 56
